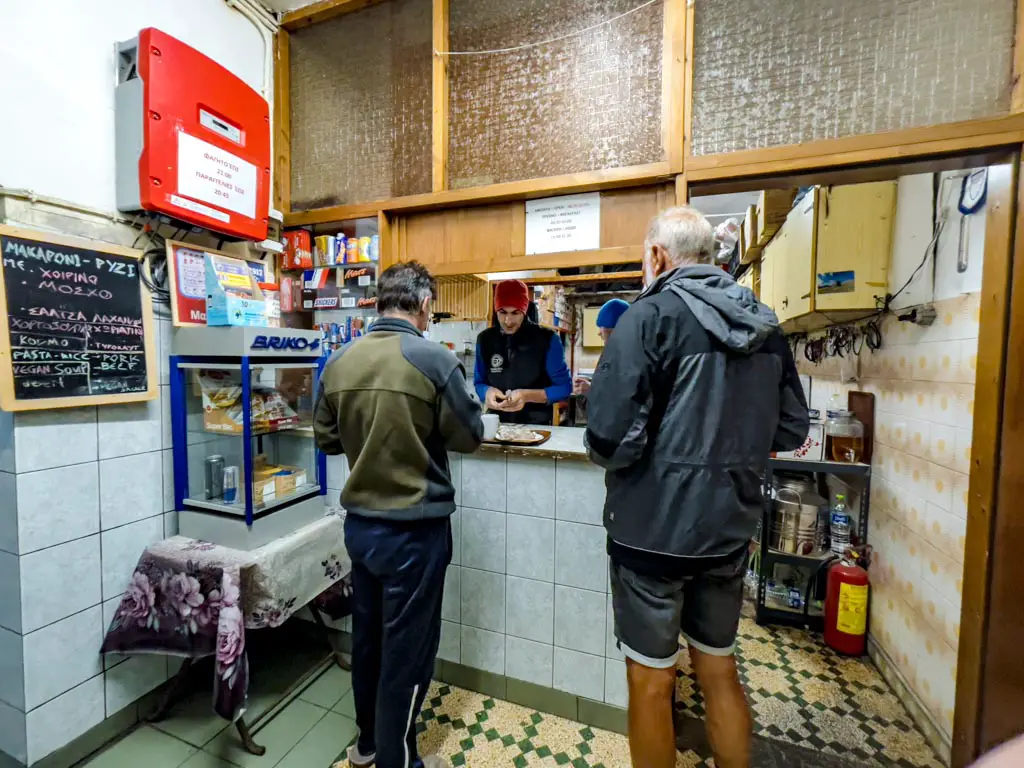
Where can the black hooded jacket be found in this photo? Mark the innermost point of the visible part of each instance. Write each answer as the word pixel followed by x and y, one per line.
pixel 694 390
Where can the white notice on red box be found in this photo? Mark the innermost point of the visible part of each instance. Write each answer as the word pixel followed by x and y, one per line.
pixel 210 174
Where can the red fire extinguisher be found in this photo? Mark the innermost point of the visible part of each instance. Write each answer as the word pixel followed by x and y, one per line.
pixel 846 604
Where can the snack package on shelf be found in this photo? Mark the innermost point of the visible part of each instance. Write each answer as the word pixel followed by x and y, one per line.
pixel 222 406
pixel 298 251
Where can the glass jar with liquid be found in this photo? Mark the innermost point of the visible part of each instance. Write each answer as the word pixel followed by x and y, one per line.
pixel 844 435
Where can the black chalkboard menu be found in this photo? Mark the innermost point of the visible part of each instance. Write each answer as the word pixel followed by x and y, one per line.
pixel 77 323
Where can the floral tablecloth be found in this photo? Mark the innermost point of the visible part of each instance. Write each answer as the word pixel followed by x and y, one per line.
pixel 193 599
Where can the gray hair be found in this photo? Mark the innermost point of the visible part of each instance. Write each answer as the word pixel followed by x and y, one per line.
pixel 683 231
pixel 403 287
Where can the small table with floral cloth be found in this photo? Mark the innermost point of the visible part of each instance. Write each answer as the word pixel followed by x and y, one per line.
pixel 194 599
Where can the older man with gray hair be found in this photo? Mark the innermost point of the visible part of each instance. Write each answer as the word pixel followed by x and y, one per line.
pixel 694 390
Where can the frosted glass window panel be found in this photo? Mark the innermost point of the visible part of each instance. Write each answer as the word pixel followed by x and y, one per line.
pixel 589 102
pixel 361 106
pixel 770 73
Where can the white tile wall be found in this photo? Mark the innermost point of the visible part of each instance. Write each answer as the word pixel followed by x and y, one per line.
pixel 482 649
pixel 580 492
pixel 540 539
pixel 8 512
pixel 528 660
pixel 12 732
pixel 483 539
pixel 530 609
pixel 531 486
pixel 46 439
pixel 127 682
pixel 7 442
pixel 483 482
pixel 121 549
pixel 10 592
pixel 64 718
pixel 57 505
pixel 451 604
pixel 579 673
pixel 580 619
pixel 12 665
pixel 616 691
pixel 449 649
pixel 61 655
pixel 131 428
pixel 483 599
pixel 580 558
pixel 168 480
pixel 923 382
pixel 530 547
pixel 59 581
pixel 131 489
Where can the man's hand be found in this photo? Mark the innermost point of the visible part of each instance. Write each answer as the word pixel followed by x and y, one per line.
pixel 496 400
pixel 581 385
pixel 515 400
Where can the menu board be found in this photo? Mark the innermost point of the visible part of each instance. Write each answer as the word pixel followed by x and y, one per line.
pixel 77 325
pixel 186 265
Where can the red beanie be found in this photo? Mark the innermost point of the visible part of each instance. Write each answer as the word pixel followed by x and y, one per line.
pixel 512 293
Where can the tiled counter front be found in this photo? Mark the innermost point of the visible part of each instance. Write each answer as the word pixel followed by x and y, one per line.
pixel 527 593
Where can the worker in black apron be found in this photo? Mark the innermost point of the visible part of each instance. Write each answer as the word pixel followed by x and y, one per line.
pixel 520 367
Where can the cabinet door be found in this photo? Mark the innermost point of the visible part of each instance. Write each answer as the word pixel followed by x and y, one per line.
pixel 793 284
pixel 768 264
pixel 854 245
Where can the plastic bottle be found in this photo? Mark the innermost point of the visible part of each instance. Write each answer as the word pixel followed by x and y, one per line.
pixel 839 526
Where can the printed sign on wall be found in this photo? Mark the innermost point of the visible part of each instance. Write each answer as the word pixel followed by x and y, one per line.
pixel 566 223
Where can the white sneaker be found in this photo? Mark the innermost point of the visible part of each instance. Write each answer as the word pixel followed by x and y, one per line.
pixel 358 760
pixel 435 761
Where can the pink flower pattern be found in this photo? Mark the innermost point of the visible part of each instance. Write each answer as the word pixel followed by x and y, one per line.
pixel 138 602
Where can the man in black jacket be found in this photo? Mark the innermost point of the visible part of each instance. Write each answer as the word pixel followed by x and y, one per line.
pixel 694 390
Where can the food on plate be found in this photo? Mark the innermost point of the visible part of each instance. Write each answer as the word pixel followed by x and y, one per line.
pixel 515 433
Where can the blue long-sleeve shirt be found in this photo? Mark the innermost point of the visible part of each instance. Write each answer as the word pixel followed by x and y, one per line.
pixel 554 362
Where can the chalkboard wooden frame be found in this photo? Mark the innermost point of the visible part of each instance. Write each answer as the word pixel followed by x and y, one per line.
pixel 8 402
pixel 172 277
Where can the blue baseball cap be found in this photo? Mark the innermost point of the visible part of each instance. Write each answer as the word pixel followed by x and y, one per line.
pixel 609 314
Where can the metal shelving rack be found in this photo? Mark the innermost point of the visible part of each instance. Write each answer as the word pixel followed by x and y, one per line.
pixel 769 558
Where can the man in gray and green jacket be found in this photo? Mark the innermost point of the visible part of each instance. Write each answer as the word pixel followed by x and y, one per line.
pixel 395 404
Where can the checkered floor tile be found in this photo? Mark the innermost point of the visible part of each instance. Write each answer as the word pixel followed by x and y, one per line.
pixel 803 693
pixel 812 708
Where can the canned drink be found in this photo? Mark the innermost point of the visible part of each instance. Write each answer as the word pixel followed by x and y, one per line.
pixel 230 484
pixel 214 476
pixel 351 250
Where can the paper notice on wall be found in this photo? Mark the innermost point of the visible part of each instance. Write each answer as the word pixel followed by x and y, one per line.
pixel 210 174
pixel 566 223
pixel 191 273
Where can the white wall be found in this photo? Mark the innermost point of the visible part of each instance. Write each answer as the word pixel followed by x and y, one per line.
pixel 913 233
pixel 923 380
pixel 82 490
pixel 58 75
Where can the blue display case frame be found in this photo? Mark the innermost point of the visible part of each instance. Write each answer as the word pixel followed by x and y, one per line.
pixel 179 367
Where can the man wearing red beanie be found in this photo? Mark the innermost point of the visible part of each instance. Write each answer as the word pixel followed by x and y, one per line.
pixel 520 367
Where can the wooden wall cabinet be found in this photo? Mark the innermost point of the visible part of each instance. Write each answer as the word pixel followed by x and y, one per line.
pixel 830 259
pixel 492 238
pixel 752 279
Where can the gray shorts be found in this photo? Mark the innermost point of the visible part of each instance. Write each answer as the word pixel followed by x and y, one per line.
pixel 650 612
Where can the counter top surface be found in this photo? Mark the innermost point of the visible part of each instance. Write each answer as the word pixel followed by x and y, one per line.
pixel 565 443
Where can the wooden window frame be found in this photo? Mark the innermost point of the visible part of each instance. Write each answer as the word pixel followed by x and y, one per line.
pixel 441 196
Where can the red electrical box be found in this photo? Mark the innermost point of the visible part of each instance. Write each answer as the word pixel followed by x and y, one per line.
pixel 193 140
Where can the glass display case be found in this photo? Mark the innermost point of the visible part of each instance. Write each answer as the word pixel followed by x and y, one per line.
pixel 241 417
